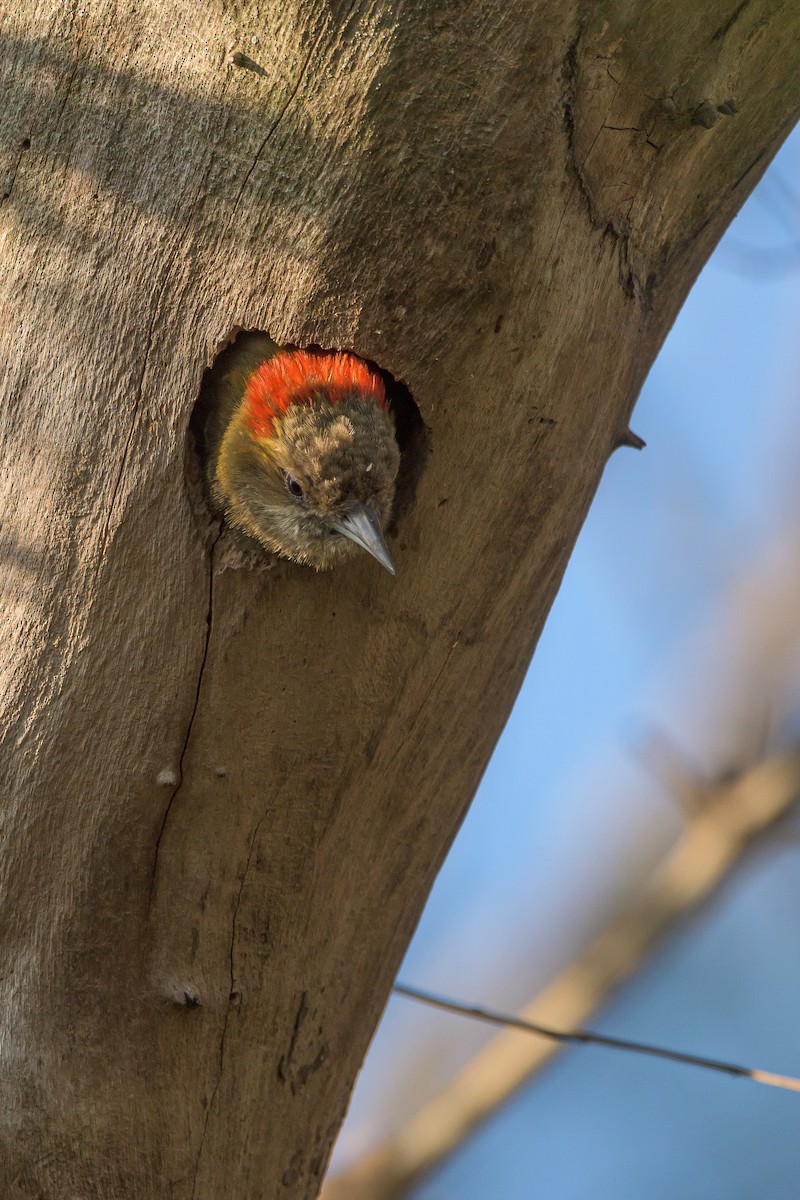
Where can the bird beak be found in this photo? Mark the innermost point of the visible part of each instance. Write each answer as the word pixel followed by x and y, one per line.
pixel 362 526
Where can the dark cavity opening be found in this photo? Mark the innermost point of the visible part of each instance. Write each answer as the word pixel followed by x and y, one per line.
pixel 413 435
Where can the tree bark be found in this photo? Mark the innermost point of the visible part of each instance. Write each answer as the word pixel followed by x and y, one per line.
pixel 226 793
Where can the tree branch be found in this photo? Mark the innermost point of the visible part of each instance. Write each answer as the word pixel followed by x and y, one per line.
pixel 734 815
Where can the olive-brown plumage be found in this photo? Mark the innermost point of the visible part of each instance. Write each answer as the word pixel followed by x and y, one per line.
pixel 301 452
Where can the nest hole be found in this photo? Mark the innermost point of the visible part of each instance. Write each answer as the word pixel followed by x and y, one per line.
pixel 412 434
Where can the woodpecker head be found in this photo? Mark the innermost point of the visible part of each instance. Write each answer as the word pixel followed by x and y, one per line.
pixel 308 463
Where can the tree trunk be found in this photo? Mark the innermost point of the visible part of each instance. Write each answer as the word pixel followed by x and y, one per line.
pixel 226 793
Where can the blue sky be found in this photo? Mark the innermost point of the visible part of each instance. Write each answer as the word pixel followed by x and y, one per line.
pixel 569 814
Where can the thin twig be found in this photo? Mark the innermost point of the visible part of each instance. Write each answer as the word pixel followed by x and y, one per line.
pixel 732 815
pixel 587 1038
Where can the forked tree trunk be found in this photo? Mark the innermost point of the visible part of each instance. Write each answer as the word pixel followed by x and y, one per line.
pixel 227 792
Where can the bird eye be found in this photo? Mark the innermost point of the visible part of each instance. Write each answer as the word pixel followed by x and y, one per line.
pixel 293 487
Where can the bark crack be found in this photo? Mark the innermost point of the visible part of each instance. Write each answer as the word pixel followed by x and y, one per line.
pixel 629 280
pixel 233 995
pixel 423 703
pixel 190 726
pixel 285 1064
pixel 281 114
pixel 70 83
pixel 731 21
pixel 11 179
pixel 571 77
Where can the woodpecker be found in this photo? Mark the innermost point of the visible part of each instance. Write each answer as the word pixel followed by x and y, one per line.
pixel 301 452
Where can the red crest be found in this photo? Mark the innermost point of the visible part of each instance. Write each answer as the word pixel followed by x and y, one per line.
pixel 300 377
